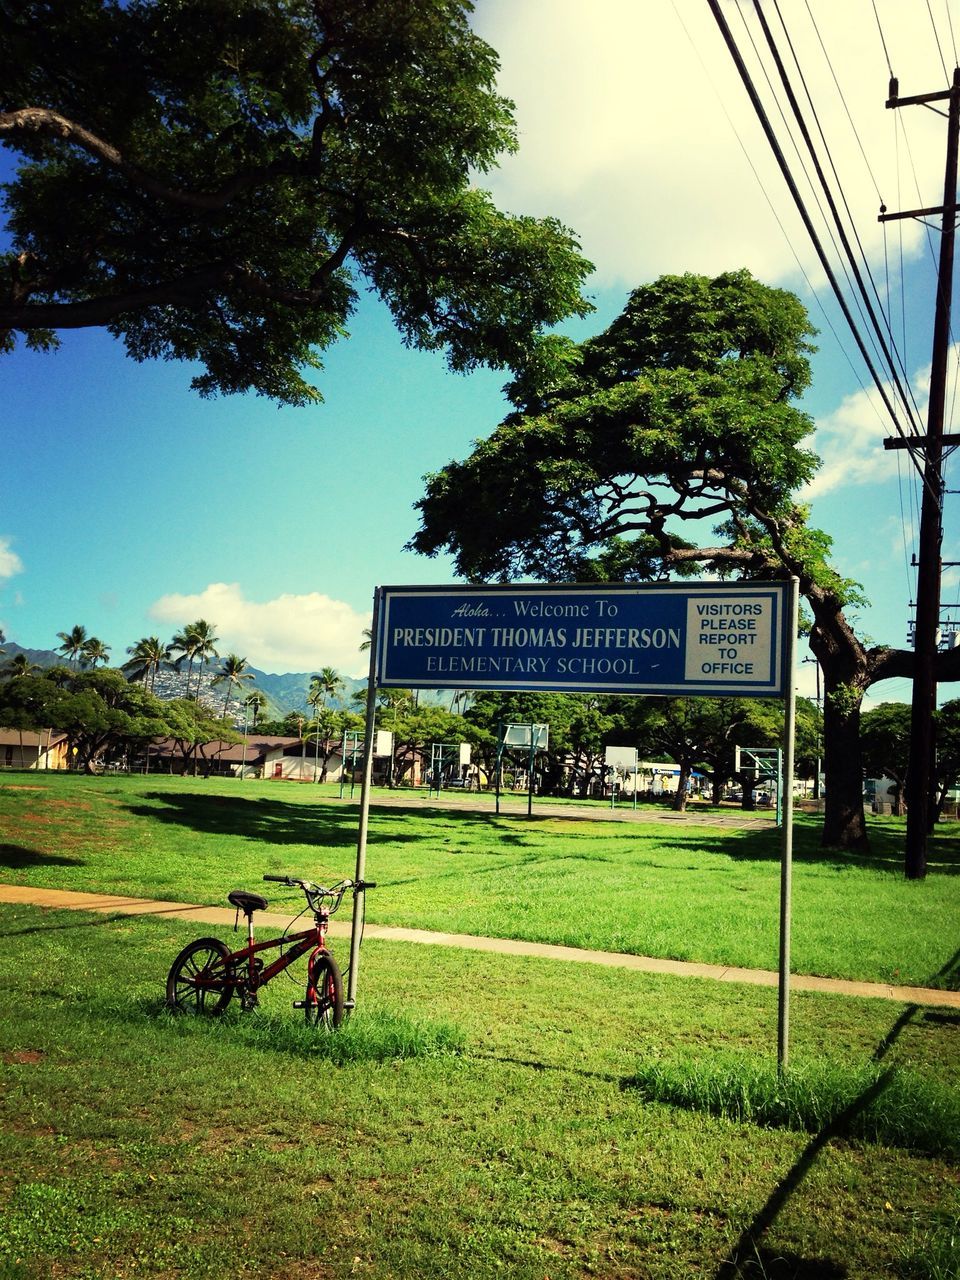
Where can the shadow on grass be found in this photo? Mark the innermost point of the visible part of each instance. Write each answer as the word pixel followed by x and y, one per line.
pixel 765 1264
pixel 272 821
pixel 286 822
pixel 334 824
pixel 747 1258
pixel 16 857
pixel 96 923
pixel 581 1073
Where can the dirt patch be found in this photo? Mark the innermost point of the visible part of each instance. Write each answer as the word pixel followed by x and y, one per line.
pixel 23 1057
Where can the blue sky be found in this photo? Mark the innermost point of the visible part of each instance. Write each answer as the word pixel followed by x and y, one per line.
pixel 131 506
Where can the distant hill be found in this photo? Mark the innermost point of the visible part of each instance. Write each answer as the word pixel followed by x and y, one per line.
pixel 41 657
pixel 285 691
pixel 289 689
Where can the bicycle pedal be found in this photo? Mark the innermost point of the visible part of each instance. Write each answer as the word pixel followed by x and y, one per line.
pixel 299 1004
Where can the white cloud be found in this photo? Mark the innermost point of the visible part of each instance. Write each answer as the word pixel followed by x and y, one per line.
pixel 633 125
pixel 850 439
pixel 288 633
pixel 850 443
pixel 10 562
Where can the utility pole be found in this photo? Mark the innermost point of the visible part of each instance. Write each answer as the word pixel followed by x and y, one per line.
pixel 920 773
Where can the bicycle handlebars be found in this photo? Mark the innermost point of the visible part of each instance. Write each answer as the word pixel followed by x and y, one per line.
pixel 316 893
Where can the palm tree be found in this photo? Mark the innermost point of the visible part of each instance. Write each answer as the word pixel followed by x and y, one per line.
pixel 183 643
pixel 256 701
pixel 206 648
pixel 72 643
pixel 325 685
pixel 19 665
pixel 196 640
pixel 233 672
pixel 94 651
pixel 147 656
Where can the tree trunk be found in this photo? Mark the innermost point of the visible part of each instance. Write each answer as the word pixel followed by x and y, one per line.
pixel 844 824
pixel 680 800
pixel 899 806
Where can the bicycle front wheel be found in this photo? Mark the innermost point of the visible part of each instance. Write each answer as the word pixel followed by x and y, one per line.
pixel 199 981
pixel 323 1005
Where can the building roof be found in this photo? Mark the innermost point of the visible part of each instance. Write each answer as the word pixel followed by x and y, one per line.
pixel 13 737
pixel 258 746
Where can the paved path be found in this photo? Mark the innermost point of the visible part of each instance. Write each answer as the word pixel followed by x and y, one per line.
pixel 109 904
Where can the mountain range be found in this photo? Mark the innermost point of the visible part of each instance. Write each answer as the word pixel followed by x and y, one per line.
pixel 285 691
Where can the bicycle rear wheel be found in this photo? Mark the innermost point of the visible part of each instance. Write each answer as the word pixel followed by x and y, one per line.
pixel 199 980
pixel 323 1004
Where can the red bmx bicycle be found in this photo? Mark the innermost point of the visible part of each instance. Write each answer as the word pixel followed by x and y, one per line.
pixel 206 974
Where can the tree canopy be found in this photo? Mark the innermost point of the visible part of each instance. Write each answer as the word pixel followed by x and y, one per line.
pixel 680 411
pixel 216 181
pixel 681 415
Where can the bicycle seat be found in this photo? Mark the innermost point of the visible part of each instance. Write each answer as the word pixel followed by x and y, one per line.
pixel 247 902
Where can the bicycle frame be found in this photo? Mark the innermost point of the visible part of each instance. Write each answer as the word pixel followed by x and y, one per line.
pixel 248 975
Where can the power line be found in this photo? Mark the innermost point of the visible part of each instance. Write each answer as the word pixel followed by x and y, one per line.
pixel 812 289
pixel 804 214
pixel 882 40
pixel 842 96
pixel 907 400
pixel 936 38
pixel 953 39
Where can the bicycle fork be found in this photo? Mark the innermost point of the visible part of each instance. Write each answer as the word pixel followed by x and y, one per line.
pixel 312 995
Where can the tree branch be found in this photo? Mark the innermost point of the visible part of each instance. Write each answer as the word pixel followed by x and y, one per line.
pixel 51 124
pixel 101 311
pixel 187 289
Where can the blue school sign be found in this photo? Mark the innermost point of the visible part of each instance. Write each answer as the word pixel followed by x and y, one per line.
pixel 709 639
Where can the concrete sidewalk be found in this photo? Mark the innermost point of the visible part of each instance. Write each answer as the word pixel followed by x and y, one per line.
pixel 108 904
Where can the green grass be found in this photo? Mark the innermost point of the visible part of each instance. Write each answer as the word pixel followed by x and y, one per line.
pixel 934 1253
pixel 897 1107
pixel 480 1115
pixel 684 890
pixel 380 1036
pixel 485 1123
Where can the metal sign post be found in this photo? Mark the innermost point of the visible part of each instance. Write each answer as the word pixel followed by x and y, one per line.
pixel 356 927
pixel 786 858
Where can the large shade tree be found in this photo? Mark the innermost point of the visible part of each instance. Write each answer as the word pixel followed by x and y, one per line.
pixel 218 181
pixel 102 715
pixel 683 412
pixel 885 744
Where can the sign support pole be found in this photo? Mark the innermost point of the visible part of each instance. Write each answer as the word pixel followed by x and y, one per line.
pixel 368 746
pixel 786 859
pixel 533 756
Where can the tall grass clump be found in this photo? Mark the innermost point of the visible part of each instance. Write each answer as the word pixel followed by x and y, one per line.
pixel 376 1036
pixel 891 1106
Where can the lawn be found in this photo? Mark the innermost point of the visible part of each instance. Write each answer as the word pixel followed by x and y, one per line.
pixel 481 1116
pixel 686 891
